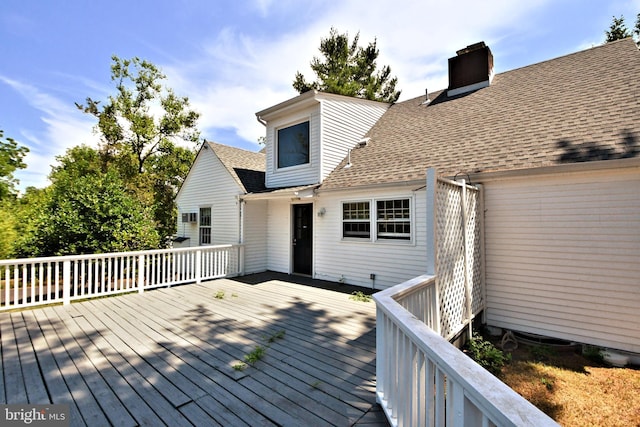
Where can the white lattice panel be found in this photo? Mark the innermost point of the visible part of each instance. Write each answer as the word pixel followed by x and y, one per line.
pixel 450 261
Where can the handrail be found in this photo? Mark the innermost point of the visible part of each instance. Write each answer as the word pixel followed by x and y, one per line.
pixel 30 282
pixel 424 380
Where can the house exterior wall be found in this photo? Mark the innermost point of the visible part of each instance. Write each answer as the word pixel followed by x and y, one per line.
pixel 344 123
pixel 336 124
pixel 562 256
pixel 255 236
pixel 353 261
pixel 209 185
pixel 279 236
pixel 295 175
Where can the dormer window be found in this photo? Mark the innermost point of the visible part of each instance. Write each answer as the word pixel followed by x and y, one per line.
pixel 293 145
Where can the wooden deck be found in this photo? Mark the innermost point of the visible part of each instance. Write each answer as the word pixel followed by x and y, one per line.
pixel 166 357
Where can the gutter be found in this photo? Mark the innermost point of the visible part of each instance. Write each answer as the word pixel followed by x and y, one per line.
pixel 411 183
pixel 593 166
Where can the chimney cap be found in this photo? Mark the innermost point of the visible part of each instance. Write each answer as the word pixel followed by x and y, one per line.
pixel 471 48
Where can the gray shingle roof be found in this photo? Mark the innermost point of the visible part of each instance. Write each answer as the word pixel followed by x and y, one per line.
pixel 246 167
pixel 577 108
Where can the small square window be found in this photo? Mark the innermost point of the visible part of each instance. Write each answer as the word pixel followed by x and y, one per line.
pixel 293 145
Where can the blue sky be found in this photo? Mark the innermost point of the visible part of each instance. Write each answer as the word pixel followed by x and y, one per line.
pixel 234 58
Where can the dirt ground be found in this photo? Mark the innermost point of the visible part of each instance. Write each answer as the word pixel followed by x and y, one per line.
pixel 573 389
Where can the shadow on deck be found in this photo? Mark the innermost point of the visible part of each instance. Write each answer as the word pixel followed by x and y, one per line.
pixel 172 356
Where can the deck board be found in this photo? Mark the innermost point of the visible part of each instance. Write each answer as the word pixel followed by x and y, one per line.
pixel 166 357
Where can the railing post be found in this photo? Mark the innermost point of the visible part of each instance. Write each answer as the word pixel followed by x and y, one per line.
pixel 432 241
pixel 140 273
pixel 198 272
pixel 66 282
pixel 241 260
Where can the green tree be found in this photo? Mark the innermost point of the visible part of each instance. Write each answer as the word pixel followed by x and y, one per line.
pixel 348 69
pixel 618 30
pixel 87 209
pixel 8 232
pixel 11 155
pixel 141 127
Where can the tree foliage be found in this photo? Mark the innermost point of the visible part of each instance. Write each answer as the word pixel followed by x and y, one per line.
pixel 11 159
pixel 618 30
pixel 141 127
pixel 144 118
pixel 86 209
pixel 348 69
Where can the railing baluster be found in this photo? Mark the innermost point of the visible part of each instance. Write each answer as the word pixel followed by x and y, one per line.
pixel 424 380
pixel 37 281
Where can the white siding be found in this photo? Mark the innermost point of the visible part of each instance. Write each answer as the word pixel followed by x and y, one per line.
pixel 391 262
pixel 255 236
pixel 210 185
pixel 295 175
pixel 344 123
pixel 279 236
pixel 562 257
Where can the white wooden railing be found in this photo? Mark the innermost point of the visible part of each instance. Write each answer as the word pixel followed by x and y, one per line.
pixel 32 282
pixel 423 380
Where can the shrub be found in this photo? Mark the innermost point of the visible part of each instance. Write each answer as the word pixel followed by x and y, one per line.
pixel 485 354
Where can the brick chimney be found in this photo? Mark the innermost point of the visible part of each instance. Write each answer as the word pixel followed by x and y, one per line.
pixel 470 70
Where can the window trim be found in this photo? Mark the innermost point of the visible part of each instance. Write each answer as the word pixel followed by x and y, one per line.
pixel 365 221
pixel 394 236
pixel 373 221
pixel 202 228
pixel 277 130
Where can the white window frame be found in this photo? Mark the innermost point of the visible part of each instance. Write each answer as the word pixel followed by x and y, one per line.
pixel 276 151
pixel 202 228
pixel 374 237
pixel 352 220
pixel 394 236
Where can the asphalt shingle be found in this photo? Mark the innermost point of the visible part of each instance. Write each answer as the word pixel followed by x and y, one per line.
pixel 577 108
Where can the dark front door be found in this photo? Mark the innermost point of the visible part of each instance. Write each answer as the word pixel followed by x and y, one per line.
pixel 302 238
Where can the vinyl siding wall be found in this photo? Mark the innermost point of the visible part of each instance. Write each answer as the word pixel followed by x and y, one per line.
pixel 562 257
pixel 344 123
pixel 392 262
pixel 301 174
pixel 255 236
pixel 210 185
pixel 279 236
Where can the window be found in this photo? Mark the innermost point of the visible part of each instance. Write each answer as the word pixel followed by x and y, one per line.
pixel 205 226
pixel 393 220
pixel 356 220
pixel 293 145
pixel 390 221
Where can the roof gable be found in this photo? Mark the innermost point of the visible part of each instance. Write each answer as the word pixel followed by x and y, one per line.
pixel 245 167
pixel 577 108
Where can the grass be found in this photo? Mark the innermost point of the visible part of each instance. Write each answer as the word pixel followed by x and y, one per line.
pixel 574 389
pixel 256 355
pixel 360 296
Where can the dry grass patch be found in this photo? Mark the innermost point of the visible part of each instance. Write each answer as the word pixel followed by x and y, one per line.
pixel 574 390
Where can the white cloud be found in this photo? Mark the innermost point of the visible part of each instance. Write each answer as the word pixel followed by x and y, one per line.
pixel 239 73
pixel 64 127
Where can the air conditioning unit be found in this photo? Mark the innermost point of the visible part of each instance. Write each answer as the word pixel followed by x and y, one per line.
pixel 189 217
